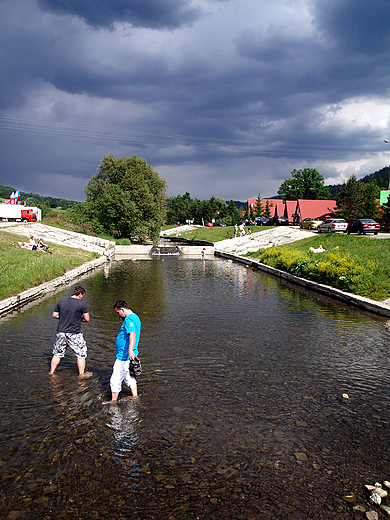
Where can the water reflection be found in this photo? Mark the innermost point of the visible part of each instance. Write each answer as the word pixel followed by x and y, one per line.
pixel 240 412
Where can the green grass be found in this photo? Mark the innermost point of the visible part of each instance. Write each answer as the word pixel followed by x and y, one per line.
pixel 359 265
pixel 22 269
pixel 216 234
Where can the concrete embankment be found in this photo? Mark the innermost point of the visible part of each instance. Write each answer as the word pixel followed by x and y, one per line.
pixel 379 308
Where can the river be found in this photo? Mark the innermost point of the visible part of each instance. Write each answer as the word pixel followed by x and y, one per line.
pixel 240 412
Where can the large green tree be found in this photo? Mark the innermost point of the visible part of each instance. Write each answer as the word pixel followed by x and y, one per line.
pixel 306 183
pixel 126 197
pixel 358 200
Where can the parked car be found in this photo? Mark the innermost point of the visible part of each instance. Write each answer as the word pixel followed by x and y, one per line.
pixel 219 224
pixel 310 223
pixel 332 224
pixel 261 221
pixel 209 224
pixel 361 226
pixel 278 221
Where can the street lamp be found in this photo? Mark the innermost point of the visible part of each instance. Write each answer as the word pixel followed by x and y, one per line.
pixel 387 141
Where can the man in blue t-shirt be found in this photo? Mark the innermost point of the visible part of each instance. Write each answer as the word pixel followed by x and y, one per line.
pixel 126 349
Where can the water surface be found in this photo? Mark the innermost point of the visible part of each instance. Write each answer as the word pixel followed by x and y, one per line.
pixel 240 413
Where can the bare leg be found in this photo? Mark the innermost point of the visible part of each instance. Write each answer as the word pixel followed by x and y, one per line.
pixel 134 390
pixel 54 364
pixel 114 398
pixel 81 367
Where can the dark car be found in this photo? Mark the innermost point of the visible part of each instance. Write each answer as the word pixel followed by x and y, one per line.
pixel 278 221
pixel 261 221
pixel 361 226
pixel 220 224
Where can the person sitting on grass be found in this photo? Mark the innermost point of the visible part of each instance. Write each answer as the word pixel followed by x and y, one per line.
pixel 43 247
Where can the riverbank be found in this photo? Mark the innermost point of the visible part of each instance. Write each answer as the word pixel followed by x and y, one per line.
pixel 231 249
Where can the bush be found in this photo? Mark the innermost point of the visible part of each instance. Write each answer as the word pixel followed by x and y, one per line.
pixel 331 268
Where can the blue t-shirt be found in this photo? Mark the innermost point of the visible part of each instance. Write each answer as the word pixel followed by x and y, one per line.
pixel 130 324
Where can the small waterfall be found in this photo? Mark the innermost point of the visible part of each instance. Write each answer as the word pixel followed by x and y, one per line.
pixel 166 251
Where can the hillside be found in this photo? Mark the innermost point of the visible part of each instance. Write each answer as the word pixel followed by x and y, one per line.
pixel 33 199
pixel 381 178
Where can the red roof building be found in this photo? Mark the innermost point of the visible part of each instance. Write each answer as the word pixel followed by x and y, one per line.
pixel 314 208
pixel 276 206
pixel 291 211
pixel 297 210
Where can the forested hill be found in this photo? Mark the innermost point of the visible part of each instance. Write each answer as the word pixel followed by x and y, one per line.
pixel 381 178
pixel 33 199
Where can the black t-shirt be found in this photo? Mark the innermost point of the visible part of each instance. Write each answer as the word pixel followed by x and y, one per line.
pixel 71 311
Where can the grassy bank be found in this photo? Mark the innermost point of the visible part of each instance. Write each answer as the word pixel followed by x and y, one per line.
pixel 216 234
pixel 21 269
pixel 359 265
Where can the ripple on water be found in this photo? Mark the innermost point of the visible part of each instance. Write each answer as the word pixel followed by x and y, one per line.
pixel 240 401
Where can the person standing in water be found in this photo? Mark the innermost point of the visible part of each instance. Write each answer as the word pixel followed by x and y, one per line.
pixel 126 349
pixel 70 312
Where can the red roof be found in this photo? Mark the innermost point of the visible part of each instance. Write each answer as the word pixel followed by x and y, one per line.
pixel 314 208
pixel 304 208
pixel 276 206
pixel 291 207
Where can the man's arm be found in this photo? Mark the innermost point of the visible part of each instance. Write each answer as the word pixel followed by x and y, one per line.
pixel 85 316
pixel 56 315
pixel 131 345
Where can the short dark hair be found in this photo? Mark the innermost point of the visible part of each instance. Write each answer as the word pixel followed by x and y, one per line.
pixel 121 304
pixel 78 290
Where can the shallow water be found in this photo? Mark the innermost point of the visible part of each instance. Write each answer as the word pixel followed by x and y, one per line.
pixel 240 413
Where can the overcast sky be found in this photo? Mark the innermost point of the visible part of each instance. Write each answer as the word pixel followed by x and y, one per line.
pixel 222 97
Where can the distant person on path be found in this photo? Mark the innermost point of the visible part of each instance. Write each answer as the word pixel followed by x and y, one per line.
pixel 235 230
pixel 126 350
pixel 71 311
pixel 242 230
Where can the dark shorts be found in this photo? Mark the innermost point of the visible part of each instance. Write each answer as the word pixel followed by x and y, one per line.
pixel 75 341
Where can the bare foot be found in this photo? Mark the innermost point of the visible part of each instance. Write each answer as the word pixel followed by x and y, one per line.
pixel 115 401
pixel 85 375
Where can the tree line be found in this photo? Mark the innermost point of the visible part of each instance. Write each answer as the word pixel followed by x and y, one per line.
pixel 126 198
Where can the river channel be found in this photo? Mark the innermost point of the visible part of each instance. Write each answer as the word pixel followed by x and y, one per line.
pixel 240 412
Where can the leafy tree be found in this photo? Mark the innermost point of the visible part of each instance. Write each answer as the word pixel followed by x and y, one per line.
pixel 218 207
pixel 126 197
pixel 179 208
pixel 233 214
pixel 369 206
pixel 304 184
pixel 349 199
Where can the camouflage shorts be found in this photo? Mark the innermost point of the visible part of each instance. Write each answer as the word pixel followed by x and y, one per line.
pixel 75 341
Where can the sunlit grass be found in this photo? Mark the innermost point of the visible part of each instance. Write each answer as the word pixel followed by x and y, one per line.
pixel 360 265
pixel 216 234
pixel 22 269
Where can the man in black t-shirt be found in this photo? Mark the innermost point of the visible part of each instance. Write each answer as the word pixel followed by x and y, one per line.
pixel 70 312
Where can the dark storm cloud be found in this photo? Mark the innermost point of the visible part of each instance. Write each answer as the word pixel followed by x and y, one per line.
pixel 202 85
pixel 355 26
pixel 155 14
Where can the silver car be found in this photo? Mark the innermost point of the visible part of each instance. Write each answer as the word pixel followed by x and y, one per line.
pixel 332 224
